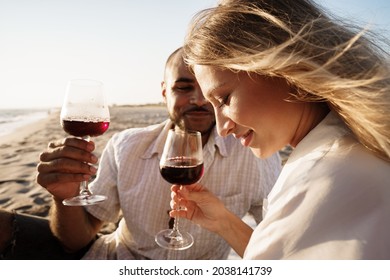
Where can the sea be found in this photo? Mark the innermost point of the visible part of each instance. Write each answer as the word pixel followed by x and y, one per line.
pixel 12 119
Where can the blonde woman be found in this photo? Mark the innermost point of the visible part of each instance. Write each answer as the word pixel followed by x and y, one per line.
pixel 287 73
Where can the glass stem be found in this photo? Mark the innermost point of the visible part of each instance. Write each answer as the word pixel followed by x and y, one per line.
pixel 84 185
pixel 175 228
pixel 84 188
pixel 176 225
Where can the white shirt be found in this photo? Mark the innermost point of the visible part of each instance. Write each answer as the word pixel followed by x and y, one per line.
pixel 331 201
pixel 129 176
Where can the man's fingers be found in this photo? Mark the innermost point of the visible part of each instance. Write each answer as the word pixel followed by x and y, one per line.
pixel 73 142
pixel 50 179
pixel 68 152
pixel 65 165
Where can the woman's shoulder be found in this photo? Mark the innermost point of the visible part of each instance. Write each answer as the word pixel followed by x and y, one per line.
pixel 348 162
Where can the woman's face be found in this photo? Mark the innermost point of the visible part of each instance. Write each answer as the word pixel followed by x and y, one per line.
pixel 253 108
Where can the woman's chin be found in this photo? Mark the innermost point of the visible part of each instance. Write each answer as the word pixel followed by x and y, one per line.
pixel 257 152
pixel 261 153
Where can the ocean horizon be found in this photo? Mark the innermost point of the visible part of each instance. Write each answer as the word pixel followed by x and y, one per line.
pixel 12 119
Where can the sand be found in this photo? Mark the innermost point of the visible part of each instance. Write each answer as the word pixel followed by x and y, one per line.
pixel 19 154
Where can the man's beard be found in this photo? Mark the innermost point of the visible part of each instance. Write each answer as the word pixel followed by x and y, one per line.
pixel 180 123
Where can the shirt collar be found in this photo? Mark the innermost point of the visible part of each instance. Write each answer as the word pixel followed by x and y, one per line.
pixel 218 143
pixel 157 146
pixel 324 134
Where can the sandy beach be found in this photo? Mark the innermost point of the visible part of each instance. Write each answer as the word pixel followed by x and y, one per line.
pixel 19 155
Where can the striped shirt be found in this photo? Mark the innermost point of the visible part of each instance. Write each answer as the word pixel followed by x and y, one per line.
pixel 139 196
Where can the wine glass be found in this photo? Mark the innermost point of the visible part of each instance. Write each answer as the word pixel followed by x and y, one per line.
pixel 181 164
pixel 84 114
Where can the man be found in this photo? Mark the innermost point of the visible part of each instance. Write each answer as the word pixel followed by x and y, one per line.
pixel 137 194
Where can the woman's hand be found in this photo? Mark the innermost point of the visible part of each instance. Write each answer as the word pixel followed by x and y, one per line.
pixel 196 203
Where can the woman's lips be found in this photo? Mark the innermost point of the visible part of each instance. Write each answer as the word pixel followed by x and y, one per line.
pixel 247 138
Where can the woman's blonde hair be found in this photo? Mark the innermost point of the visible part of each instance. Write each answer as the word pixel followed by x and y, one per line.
pixel 323 58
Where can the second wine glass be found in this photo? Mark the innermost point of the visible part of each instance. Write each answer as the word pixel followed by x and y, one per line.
pixel 85 114
pixel 181 164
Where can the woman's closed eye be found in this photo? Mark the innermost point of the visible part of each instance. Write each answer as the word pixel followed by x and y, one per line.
pixel 224 100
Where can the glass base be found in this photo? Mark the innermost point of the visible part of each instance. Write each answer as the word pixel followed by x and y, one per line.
pixel 83 200
pixel 174 240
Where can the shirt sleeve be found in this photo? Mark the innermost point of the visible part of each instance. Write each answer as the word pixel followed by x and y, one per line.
pixel 105 183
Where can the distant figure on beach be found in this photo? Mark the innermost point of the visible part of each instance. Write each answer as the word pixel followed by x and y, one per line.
pixel 137 194
pixel 286 72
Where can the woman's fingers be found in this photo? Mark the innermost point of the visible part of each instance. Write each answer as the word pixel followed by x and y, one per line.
pixel 182 209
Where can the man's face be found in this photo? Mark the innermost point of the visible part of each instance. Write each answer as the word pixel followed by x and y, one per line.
pixel 186 105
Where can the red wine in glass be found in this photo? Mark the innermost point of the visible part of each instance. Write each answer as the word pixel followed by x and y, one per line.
pixel 181 163
pixel 85 114
pixel 85 128
pixel 182 170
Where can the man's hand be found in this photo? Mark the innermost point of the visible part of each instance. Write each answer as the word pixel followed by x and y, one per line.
pixel 64 165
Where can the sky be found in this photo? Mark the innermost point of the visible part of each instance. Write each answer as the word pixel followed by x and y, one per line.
pixel 123 43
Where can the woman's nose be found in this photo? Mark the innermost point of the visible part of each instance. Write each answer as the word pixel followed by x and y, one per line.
pixel 224 124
